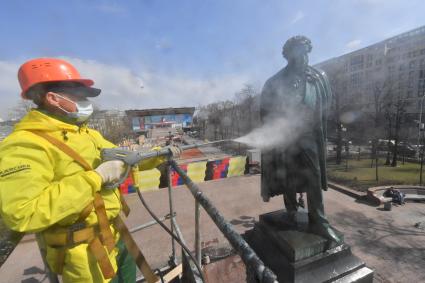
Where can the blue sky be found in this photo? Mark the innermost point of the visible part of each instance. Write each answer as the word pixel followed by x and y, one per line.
pixel 185 53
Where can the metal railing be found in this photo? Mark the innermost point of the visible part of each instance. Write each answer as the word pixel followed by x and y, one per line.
pixel 247 254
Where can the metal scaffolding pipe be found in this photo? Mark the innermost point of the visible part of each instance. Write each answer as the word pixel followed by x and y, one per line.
pixel 170 202
pixel 149 224
pixel 197 233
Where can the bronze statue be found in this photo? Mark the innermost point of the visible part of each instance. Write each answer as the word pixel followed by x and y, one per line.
pixel 298 93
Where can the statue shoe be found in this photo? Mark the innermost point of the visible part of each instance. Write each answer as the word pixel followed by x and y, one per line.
pixel 324 230
pixel 291 218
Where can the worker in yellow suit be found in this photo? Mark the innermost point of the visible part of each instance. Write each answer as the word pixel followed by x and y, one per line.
pixel 51 177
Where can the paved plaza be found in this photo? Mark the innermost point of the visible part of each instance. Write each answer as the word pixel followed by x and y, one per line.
pixel 386 240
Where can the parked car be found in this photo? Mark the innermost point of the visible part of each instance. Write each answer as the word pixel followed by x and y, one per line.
pixel 406 149
pixel 403 148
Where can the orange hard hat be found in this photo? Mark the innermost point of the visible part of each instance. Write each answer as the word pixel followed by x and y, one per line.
pixel 46 70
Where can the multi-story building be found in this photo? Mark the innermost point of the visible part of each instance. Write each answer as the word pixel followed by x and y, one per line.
pixel 161 120
pixel 397 63
pixel 394 66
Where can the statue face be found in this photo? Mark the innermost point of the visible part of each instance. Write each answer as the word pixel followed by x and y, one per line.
pixel 298 58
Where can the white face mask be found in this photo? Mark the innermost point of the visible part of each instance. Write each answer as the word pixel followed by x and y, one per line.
pixel 84 110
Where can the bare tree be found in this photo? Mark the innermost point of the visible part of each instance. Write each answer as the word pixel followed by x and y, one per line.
pixel 395 109
pixel 246 100
pixel 231 118
pixel 225 125
pixel 336 80
pixel 400 110
pixel 113 125
pixel 376 117
pixel 214 118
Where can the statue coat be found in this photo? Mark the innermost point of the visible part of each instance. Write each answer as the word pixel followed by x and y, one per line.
pixel 285 167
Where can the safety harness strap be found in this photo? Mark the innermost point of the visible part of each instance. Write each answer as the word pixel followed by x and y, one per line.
pixel 125 208
pixel 134 250
pixel 106 237
pixel 63 237
pixel 60 260
pixel 86 212
pixel 65 148
pixel 102 258
pixel 73 154
pixel 98 204
pixel 105 230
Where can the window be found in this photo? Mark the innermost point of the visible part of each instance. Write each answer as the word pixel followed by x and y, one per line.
pixel 421 83
pixel 369 60
pixel 356 62
pixel 411 79
pixel 356 79
pixel 368 76
pixel 390 60
pixel 368 87
pixel 344 86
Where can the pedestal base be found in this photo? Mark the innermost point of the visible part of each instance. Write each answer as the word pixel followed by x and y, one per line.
pixel 297 255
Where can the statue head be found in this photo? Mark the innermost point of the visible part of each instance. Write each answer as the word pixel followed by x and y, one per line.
pixel 296 50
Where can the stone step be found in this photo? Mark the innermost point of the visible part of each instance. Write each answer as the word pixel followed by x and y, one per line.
pixel 362 275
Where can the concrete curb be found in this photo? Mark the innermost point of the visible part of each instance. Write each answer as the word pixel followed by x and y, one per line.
pixel 346 190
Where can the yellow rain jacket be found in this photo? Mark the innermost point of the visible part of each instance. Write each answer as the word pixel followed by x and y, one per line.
pixel 41 186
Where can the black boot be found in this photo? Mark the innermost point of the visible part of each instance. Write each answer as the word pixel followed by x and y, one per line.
pixel 326 231
pixel 291 218
pixel 319 225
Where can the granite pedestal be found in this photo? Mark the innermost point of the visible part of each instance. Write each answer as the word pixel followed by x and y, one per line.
pixel 297 255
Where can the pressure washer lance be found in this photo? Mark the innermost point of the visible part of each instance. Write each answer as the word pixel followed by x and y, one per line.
pixel 132 158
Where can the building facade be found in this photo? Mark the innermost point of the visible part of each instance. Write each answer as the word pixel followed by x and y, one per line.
pixel 142 121
pixel 397 63
pixel 366 79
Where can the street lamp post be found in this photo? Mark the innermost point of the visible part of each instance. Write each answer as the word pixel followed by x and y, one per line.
pixel 422 166
pixel 420 126
pixel 343 129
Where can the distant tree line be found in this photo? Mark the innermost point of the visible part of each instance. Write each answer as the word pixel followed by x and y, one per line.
pixel 113 125
pixel 231 118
